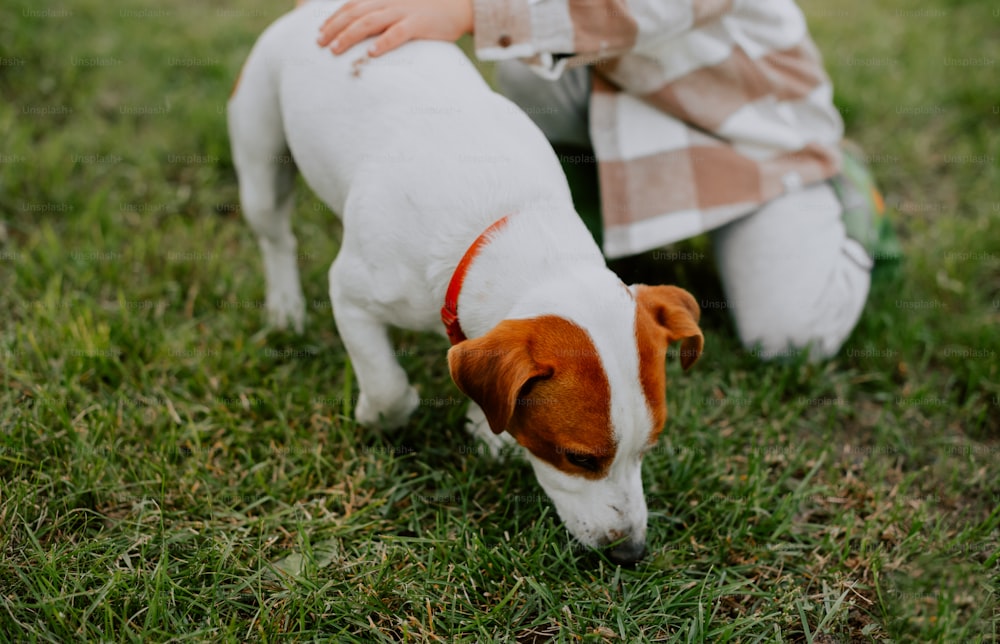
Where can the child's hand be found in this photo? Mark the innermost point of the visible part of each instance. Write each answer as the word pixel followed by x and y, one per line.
pixel 398 21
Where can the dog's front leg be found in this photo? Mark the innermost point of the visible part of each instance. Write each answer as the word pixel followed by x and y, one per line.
pixel 386 398
pixel 498 445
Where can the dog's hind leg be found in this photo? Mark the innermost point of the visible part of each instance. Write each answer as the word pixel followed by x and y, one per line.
pixel 386 398
pixel 267 177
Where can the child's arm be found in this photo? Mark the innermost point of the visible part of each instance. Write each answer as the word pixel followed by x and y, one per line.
pixel 588 30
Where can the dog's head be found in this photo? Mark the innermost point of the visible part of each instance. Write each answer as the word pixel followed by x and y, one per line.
pixel 586 396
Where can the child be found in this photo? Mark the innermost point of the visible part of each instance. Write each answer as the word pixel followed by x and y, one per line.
pixel 704 115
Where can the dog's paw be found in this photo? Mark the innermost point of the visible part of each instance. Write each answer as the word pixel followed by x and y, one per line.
pixel 286 309
pixel 499 446
pixel 387 416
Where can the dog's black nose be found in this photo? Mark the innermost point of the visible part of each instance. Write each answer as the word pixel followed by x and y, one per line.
pixel 627 553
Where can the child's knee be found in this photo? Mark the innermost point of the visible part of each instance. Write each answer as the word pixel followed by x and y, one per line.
pixel 787 327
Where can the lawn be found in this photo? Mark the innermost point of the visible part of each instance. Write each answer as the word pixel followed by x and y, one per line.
pixel 170 472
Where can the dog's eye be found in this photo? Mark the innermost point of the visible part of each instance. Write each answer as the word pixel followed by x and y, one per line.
pixel 585 461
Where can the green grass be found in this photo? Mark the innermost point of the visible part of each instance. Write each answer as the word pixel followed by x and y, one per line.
pixel 169 473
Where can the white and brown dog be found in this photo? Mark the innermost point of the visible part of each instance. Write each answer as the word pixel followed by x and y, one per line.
pixel 449 193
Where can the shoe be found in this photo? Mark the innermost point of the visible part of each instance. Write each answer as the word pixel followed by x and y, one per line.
pixel 865 215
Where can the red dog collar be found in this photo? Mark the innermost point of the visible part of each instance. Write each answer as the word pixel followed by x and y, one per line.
pixel 449 312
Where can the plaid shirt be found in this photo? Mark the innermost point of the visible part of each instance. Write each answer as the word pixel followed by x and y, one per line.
pixel 700 110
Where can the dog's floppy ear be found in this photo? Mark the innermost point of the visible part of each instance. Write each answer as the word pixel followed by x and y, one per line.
pixel 494 368
pixel 677 313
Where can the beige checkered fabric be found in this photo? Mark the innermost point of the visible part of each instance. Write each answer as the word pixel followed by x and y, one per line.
pixel 701 110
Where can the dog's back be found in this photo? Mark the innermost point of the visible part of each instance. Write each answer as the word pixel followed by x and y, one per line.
pixel 415 117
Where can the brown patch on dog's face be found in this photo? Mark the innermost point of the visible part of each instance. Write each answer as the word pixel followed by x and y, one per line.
pixel 542 380
pixel 664 314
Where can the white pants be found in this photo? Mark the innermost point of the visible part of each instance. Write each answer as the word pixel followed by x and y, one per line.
pixel 793 279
